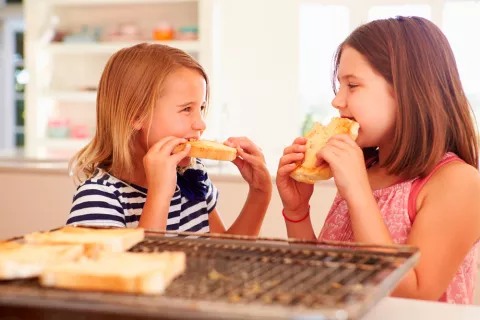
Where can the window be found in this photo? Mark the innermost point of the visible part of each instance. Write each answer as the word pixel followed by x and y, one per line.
pixel 388 11
pixel 322 29
pixel 459 18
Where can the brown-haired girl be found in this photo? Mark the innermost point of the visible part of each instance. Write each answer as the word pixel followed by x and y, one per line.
pixel 412 175
pixel 151 98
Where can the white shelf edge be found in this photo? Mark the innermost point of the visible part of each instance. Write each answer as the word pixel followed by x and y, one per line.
pixel 83 96
pixel 111 47
pixel 63 143
pixel 65 3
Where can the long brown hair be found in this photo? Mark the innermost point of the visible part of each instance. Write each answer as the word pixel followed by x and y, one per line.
pixel 433 115
pixel 130 84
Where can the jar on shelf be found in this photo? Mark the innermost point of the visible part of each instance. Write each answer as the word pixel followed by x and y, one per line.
pixel 80 131
pixel 187 33
pixel 163 31
pixel 58 128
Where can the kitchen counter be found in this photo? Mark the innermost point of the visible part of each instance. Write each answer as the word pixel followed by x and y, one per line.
pixel 403 309
pixel 14 162
pixel 18 164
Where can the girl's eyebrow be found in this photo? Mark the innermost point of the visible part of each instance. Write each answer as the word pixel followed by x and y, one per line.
pixel 350 75
pixel 186 104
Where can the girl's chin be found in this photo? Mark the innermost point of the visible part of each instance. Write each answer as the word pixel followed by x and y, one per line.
pixel 185 162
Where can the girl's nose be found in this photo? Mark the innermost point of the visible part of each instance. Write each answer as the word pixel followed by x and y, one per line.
pixel 199 124
pixel 339 101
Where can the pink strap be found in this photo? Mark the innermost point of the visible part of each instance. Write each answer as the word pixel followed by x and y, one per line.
pixel 418 184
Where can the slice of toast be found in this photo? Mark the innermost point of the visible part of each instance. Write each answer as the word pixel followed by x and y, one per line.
pixel 19 261
pixel 206 149
pixel 145 273
pixel 114 240
pixel 307 171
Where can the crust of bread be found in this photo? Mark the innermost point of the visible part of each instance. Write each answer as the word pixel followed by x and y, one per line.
pixel 20 261
pixel 307 171
pixel 145 273
pixel 206 149
pixel 114 240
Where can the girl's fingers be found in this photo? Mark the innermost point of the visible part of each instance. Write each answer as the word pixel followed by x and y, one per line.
pixel 328 154
pixel 246 144
pixel 285 170
pixel 160 143
pixel 179 156
pixel 294 148
pixel 170 145
pixel 290 158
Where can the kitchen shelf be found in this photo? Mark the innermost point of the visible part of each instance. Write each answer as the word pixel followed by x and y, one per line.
pixel 112 47
pixel 65 3
pixel 64 143
pixel 79 96
pixel 58 70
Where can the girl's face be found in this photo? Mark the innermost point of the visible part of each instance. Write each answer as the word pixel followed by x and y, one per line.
pixel 366 97
pixel 179 112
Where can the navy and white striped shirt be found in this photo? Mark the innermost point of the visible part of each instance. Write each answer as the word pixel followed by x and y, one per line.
pixel 104 200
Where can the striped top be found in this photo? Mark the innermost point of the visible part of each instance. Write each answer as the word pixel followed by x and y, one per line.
pixel 104 200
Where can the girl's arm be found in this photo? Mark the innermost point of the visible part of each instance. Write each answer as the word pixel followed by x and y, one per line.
pixel 446 227
pixel 250 219
pixel 161 174
pixel 251 164
pixel 155 211
pixel 299 225
pixel 295 195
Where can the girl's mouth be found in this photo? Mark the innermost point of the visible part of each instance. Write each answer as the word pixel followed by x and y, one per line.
pixel 351 118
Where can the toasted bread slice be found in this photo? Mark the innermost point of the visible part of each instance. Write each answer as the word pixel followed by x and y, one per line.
pixel 206 149
pixel 146 273
pixel 115 240
pixel 18 261
pixel 307 171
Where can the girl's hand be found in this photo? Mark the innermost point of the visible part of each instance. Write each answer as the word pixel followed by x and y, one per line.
pixel 295 195
pixel 347 163
pixel 161 165
pixel 251 164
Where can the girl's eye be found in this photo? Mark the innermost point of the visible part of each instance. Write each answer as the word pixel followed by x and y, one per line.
pixel 351 85
pixel 187 109
pixel 203 108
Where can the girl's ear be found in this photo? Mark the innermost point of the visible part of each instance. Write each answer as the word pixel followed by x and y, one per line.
pixel 137 125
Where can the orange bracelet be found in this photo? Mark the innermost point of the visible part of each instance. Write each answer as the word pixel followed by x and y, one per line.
pixel 299 220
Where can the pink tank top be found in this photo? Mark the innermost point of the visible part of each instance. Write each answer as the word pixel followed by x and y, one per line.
pixel 397 204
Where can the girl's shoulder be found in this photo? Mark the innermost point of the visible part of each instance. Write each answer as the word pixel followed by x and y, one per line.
pixel 106 182
pixel 451 177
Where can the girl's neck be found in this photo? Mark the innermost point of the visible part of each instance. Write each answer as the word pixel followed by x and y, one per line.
pixel 137 175
pixel 383 153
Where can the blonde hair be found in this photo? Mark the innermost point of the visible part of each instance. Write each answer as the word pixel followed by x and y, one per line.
pixel 130 84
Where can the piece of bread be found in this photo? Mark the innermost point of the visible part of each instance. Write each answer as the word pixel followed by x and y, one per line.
pixel 146 273
pixel 19 261
pixel 114 239
pixel 206 149
pixel 307 171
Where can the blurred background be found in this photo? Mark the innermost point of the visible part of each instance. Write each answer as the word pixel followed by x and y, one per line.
pixel 269 61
